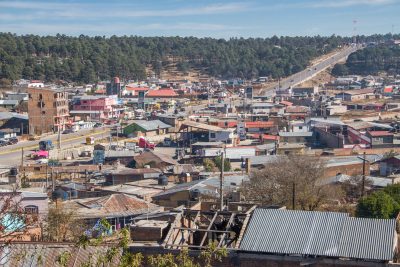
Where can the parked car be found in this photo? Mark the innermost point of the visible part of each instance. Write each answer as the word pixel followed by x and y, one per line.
pixel 13 140
pixel 67 131
pixel 3 143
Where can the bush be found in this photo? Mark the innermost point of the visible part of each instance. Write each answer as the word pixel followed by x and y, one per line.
pixel 377 205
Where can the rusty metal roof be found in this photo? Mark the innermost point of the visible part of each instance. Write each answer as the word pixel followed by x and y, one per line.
pixel 47 254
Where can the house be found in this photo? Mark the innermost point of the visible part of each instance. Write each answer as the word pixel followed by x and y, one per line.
pixel 261 107
pixel 9 104
pixel 290 149
pixel 296 137
pixel 134 90
pixel 8 133
pixel 296 112
pixel 147 128
pixel 162 93
pixel 389 165
pixel 17 96
pixel 191 193
pixel 117 209
pixel 262 127
pixel 354 95
pixel 173 119
pixel 29 201
pixel 380 138
pixel 192 132
pixel 318 234
pixel 304 91
pixel 126 175
pixel 35 83
pixel 351 166
pixel 122 156
pixel 10 120
pixel 154 160
pixel 96 108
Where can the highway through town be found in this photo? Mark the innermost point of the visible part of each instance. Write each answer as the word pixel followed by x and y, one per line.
pixel 11 155
pixel 311 71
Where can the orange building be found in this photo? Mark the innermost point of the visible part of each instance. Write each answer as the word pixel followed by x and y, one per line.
pixel 47 110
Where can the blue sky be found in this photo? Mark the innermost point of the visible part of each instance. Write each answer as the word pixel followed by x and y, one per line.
pixel 201 18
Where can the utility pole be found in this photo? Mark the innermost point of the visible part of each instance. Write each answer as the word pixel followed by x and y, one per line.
pixel 363 176
pixel 22 157
pixel 221 181
pixel 294 196
pixel 59 136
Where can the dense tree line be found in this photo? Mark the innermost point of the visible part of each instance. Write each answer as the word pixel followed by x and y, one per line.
pixel 88 59
pixel 371 61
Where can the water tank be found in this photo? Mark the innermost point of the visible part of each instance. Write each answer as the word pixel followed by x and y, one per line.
pixel 195 194
pixel 13 171
pixel 59 194
pixel 162 179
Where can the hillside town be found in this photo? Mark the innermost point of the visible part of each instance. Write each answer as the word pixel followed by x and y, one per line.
pixel 184 164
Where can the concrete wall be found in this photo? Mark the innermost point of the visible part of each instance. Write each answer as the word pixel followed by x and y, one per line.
pixel 327 139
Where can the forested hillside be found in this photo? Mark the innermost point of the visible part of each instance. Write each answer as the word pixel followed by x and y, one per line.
pixel 371 61
pixel 87 59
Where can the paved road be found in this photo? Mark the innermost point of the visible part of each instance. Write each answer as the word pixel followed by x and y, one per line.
pixel 11 155
pixel 310 72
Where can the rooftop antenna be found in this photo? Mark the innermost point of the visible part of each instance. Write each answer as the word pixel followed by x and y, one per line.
pixel 354 31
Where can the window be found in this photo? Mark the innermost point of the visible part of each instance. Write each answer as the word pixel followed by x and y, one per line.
pixel 300 127
pixel 212 135
pixel 32 209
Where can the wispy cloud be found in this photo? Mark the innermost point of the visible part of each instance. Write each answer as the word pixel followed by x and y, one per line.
pixel 94 10
pixel 349 3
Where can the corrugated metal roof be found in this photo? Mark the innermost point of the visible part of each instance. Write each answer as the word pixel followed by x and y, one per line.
pixel 202 126
pixel 295 134
pixel 152 125
pixel 46 254
pixel 364 238
pixel 315 233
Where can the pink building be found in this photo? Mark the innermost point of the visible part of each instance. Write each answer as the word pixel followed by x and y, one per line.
pixel 96 108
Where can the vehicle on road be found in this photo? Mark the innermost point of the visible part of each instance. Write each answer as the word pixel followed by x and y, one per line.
pixel 42 161
pixel 12 140
pixel 67 131
pixel 3 143
pixel 143 143
pixel 46 145
pixel 33 137
pixel 167 141
pixel 90 140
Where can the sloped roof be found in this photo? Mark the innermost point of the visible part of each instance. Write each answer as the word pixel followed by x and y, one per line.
pixel 297 109
pixel 115 205
pixel 149 156
pixel 47 254
pixel 259 124
pixel 380 133
pixel 152 125
pixel 202 126
pixel 316 233
pixel 162 93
